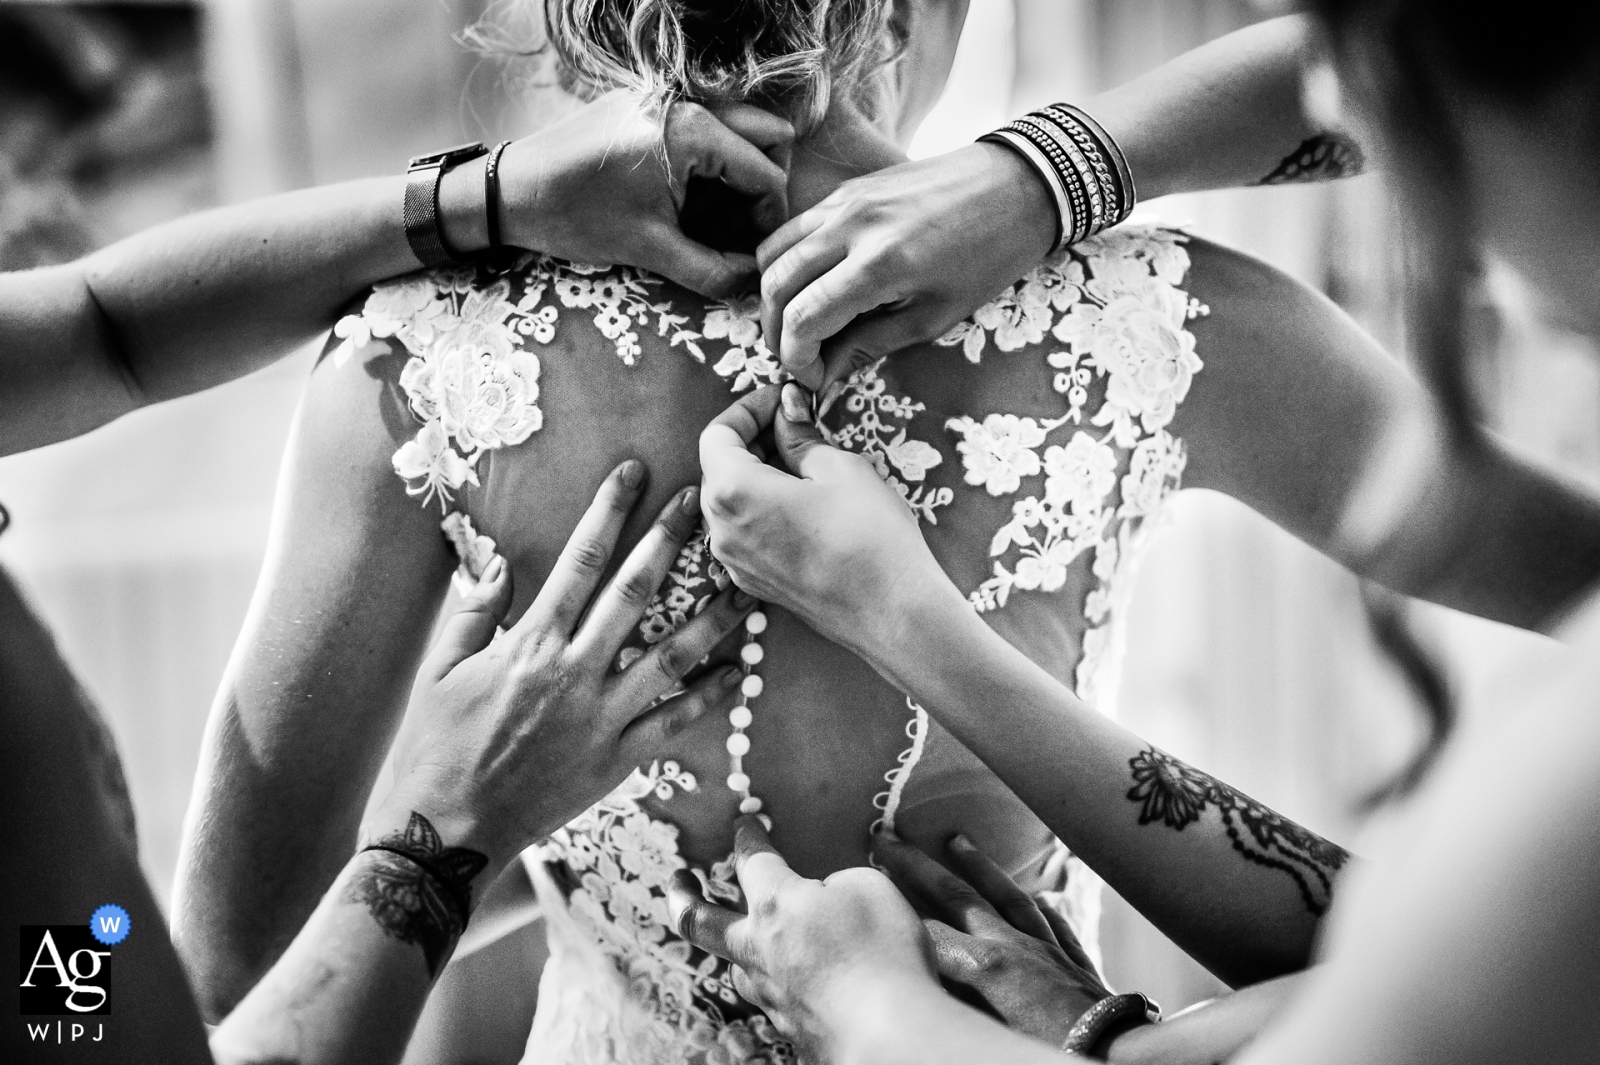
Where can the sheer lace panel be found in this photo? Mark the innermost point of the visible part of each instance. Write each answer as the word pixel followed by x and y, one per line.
pixel 621 986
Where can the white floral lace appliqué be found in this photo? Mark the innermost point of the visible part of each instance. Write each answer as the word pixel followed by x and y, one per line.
pixel 1125 323
pixel 471 379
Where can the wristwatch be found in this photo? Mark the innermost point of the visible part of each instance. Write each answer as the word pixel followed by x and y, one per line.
pixel 421 214
pixel 1112 1013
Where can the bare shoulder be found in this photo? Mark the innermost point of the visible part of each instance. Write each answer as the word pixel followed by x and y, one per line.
pixel 1251 303
pixel 352 423
pixel 1291 395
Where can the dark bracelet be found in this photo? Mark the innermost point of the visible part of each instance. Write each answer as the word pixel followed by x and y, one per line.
pixel 455 891
pixel 420 211
pixel 1084 168
pixel 491 195
pixel 1113 1011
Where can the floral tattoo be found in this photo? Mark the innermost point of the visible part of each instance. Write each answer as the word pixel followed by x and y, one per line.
pixel 1325 157
pixel 1176 795
pixel 417 889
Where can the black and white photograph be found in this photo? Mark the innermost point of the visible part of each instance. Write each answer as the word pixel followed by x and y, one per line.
pixel 800 532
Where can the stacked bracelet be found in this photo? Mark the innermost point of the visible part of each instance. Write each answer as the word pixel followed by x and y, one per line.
pixel 1083 167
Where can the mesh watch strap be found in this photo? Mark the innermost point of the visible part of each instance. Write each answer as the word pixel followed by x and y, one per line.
pixel 421 214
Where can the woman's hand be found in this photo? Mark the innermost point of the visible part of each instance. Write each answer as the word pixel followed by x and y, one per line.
pixel 898 257
pixel 507 741
pixel 809 952
pixel 606 185
pixel 835 545
pixel 1021 958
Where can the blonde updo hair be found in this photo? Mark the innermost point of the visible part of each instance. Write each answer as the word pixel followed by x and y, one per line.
pixel 791 56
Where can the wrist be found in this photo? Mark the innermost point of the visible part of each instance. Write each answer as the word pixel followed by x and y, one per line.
pixel 913 622
pixel 524 191
pixel 1031 208
pixel 456 831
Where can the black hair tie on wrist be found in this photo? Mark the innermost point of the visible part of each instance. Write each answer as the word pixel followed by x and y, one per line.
pixel 491 195
pixel 453 889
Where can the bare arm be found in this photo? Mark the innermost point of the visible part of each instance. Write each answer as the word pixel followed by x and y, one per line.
pixel 837 546
pixel 1145 821
pixel 197 302
pixel 1019 957
pixel 353 579
pixel 1470 939
pixel 1301 415
pixel 915 1024
pixel 509 739
pixel 1226 114
pixel 897 257
pixel 187 305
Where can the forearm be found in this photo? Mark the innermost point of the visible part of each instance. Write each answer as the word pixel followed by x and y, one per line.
pixel 1497 536
pixel 1223 115
pixel 1207 1034
pixel 1257 885
pixel 279 777
pixel 918 1024
pixel 199 301
pixel 351 985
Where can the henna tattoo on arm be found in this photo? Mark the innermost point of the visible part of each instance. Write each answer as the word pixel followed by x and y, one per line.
pixel 417 889
pixel 1177 795
pixel 1325 157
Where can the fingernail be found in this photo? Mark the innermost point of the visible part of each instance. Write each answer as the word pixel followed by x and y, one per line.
pixel 730 677
pixel 743 599
pixel 796 404
pixel 689 502
pixel 493 570
pixel 631 474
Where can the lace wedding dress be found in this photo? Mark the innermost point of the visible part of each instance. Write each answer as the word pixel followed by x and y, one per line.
pixel 1110 317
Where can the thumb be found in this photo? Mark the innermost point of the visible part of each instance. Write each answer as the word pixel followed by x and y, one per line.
pixel 711 273
pixel 473 625
pixel 799 440
pixel 871 337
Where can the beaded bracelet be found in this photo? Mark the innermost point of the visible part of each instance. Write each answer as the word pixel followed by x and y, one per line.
pixel 1081 164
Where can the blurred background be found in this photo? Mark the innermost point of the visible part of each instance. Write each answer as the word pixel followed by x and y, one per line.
pixel 1249 655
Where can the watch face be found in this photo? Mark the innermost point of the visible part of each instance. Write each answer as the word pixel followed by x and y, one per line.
pixel 450 155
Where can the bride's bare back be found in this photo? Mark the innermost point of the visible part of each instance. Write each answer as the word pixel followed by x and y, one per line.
pixel 1033 444
pixel 570 370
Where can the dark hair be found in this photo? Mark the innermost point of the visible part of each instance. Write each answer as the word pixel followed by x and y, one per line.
pixel 1413 63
